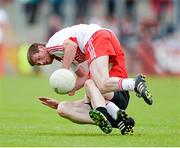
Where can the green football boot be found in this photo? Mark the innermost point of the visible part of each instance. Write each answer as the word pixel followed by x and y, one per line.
pixel 101 121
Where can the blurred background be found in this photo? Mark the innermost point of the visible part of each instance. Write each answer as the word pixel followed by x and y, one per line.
pixel 148 30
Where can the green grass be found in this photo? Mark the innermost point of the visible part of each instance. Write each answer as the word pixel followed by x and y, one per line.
pixel 25 122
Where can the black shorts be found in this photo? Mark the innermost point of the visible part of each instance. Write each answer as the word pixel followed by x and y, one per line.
pixel 121 99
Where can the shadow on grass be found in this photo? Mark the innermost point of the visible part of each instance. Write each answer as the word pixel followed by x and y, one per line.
pixel 76 134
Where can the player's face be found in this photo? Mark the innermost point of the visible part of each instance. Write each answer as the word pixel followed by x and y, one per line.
pixel 42 57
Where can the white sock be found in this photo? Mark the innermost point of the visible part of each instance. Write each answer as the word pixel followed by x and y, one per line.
pixel 127 84
pixel 112 109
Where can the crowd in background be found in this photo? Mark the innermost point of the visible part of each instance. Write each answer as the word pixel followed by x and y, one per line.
pixel 142 26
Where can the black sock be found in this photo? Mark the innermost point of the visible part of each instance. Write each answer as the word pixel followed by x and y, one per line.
pixel 112 121
pixel 103 110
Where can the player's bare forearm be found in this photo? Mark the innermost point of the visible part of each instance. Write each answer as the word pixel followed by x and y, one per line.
pixel 81 72
pixel 79 84
pixel 70 49
pixel 82 76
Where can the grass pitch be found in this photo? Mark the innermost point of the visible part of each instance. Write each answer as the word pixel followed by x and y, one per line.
pixel 25 122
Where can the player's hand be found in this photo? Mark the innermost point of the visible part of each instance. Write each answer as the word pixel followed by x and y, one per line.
pixel 72 92
pixel 49 102
pixel 79 83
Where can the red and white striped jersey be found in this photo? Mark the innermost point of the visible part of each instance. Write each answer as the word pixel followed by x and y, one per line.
pixel 78 33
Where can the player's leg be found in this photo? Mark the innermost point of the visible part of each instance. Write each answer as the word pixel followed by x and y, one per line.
pixel 97 51
pixel 76 111
pixel 99 113
pixel 138 84
pixel 104 48
pixel 108 84
pixel 99 70
pixel 102 79
pixel 120 101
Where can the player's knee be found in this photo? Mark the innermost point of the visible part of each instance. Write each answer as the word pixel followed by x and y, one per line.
pixel 106 84
pixel 103 85
pixel 62 109
pixel 88 84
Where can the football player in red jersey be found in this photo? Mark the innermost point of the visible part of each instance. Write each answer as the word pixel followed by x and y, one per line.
pixel 106 62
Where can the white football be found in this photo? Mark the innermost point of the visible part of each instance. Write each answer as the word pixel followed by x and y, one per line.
pixel 62 81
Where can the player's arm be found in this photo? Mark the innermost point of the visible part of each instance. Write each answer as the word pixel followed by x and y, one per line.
pixel 82 76
pixel 70 49
pixel 81 70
